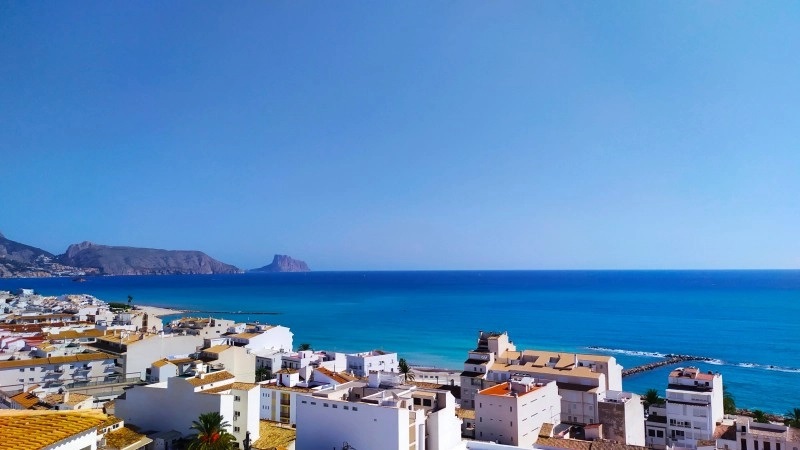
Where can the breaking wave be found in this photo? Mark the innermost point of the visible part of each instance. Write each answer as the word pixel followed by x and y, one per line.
pixel 713 361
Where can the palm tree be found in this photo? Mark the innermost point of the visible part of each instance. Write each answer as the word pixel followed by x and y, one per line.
pixel 651 397
pixel 759 416
pixel 211 433
pixel 304 346
pixel 728 401
pixel 405 370
pixel 263 373
pixel 793 418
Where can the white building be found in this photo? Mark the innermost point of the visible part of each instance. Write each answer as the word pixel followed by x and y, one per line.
pixel 175 403
pixel 375 416
pixel 582 379
pixel 621 414
pixel 742 433
pixel 513 412
pixel 694 405
pixel 236 360
pixel 56 371
pixel 259 337
pixel 136 352
pixel 361 364
pixel 279 400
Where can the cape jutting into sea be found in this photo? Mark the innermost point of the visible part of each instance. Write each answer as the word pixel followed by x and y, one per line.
pixel 747 322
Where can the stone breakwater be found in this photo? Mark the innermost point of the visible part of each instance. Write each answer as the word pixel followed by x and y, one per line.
pixel 669 359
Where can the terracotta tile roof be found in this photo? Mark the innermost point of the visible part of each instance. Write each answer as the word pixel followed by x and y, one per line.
pixel 286 388
pixel 25 399
pixel 607 445
pixel 289 371
pixel 161 363
pixel 243 386
pixel 332 375
pixel 546 430
pixel 273 435
pixel 73 399
pixel 125 437
pixel 245 335
pixel 726 432
pixel 569 444
pixel 210 378
pixel 95 356
pixel 216 349
pixel 110 420
pixel 465 413
pixel 74 334
pixel 33 430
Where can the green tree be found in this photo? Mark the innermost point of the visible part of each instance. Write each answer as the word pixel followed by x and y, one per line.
pixel 262 373
pixel 760 416
pixel 728 401
pixel 405 370
pixel 130 300
pixel 304 346
pixel 793 418
pixel 651 397
pixel 211 433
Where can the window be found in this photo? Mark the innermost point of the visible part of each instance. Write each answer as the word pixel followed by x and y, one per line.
pixel 31 379
pixel 346 407
pixel 651 433
pixel 236 398
pixel 31 369
pixel 235 429
pixel 236 414
pixel 355 408
pixel 303 401
pixel 744 444
pixel 335 405
pixel 325 405
pixel 660 433
pixel 22 370
pixel 426 402
pixel 766 445
pixel 755 445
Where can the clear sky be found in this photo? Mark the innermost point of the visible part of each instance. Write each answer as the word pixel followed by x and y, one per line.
pixel 407 135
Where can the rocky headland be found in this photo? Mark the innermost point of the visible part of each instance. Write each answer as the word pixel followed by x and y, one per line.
pixel 20 260
pixel 283 263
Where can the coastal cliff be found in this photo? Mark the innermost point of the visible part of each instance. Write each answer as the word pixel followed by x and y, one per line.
pixel 283 263
pixel 20 260
pixel 111 260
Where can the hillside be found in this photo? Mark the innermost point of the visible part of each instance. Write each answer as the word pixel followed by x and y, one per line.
pixel 111 260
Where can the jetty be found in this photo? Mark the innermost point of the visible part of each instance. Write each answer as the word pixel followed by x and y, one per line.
pixel 668 359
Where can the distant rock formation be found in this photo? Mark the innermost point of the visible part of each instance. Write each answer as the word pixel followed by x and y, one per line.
pixel 110 260
pixel 283 263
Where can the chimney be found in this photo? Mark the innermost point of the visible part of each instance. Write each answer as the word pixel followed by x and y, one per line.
pixel 66 397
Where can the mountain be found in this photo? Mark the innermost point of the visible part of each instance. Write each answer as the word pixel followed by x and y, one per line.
pixel 283 263
pixel 111 260
pixel 20 260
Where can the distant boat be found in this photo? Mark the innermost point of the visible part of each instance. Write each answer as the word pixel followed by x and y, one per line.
pixel 79 279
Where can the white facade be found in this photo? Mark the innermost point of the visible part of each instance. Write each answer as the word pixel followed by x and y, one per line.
pixel 372 417
pixel 694 405
pixel 56 371
pixel 513 412
pixel 259 337
pixel 582 379
pixel 361 364
pixel 137 351
pixel 174 404
pixel 86 440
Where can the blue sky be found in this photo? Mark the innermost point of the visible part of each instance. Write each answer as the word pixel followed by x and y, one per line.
pixel 407 135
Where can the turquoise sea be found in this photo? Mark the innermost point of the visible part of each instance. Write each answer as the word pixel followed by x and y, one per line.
pixel 748 321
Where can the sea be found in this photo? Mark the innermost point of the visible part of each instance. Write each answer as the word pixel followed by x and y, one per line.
pixel 747 322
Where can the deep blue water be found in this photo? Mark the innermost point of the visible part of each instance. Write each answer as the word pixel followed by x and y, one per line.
pixel 748 320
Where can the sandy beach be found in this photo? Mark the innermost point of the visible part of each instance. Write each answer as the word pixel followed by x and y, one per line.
pixel 157 311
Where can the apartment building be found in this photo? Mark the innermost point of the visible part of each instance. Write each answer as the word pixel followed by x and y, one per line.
pixel 513 412
pixel 56 371
pixel 136 351
pixel 743 433
pixel 582 379
pixel 361 364
pixel 694 405
pixel 175 403
pixel 380 414
pixel 260 336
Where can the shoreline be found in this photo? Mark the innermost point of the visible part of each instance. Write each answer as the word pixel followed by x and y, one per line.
pixel 159 311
